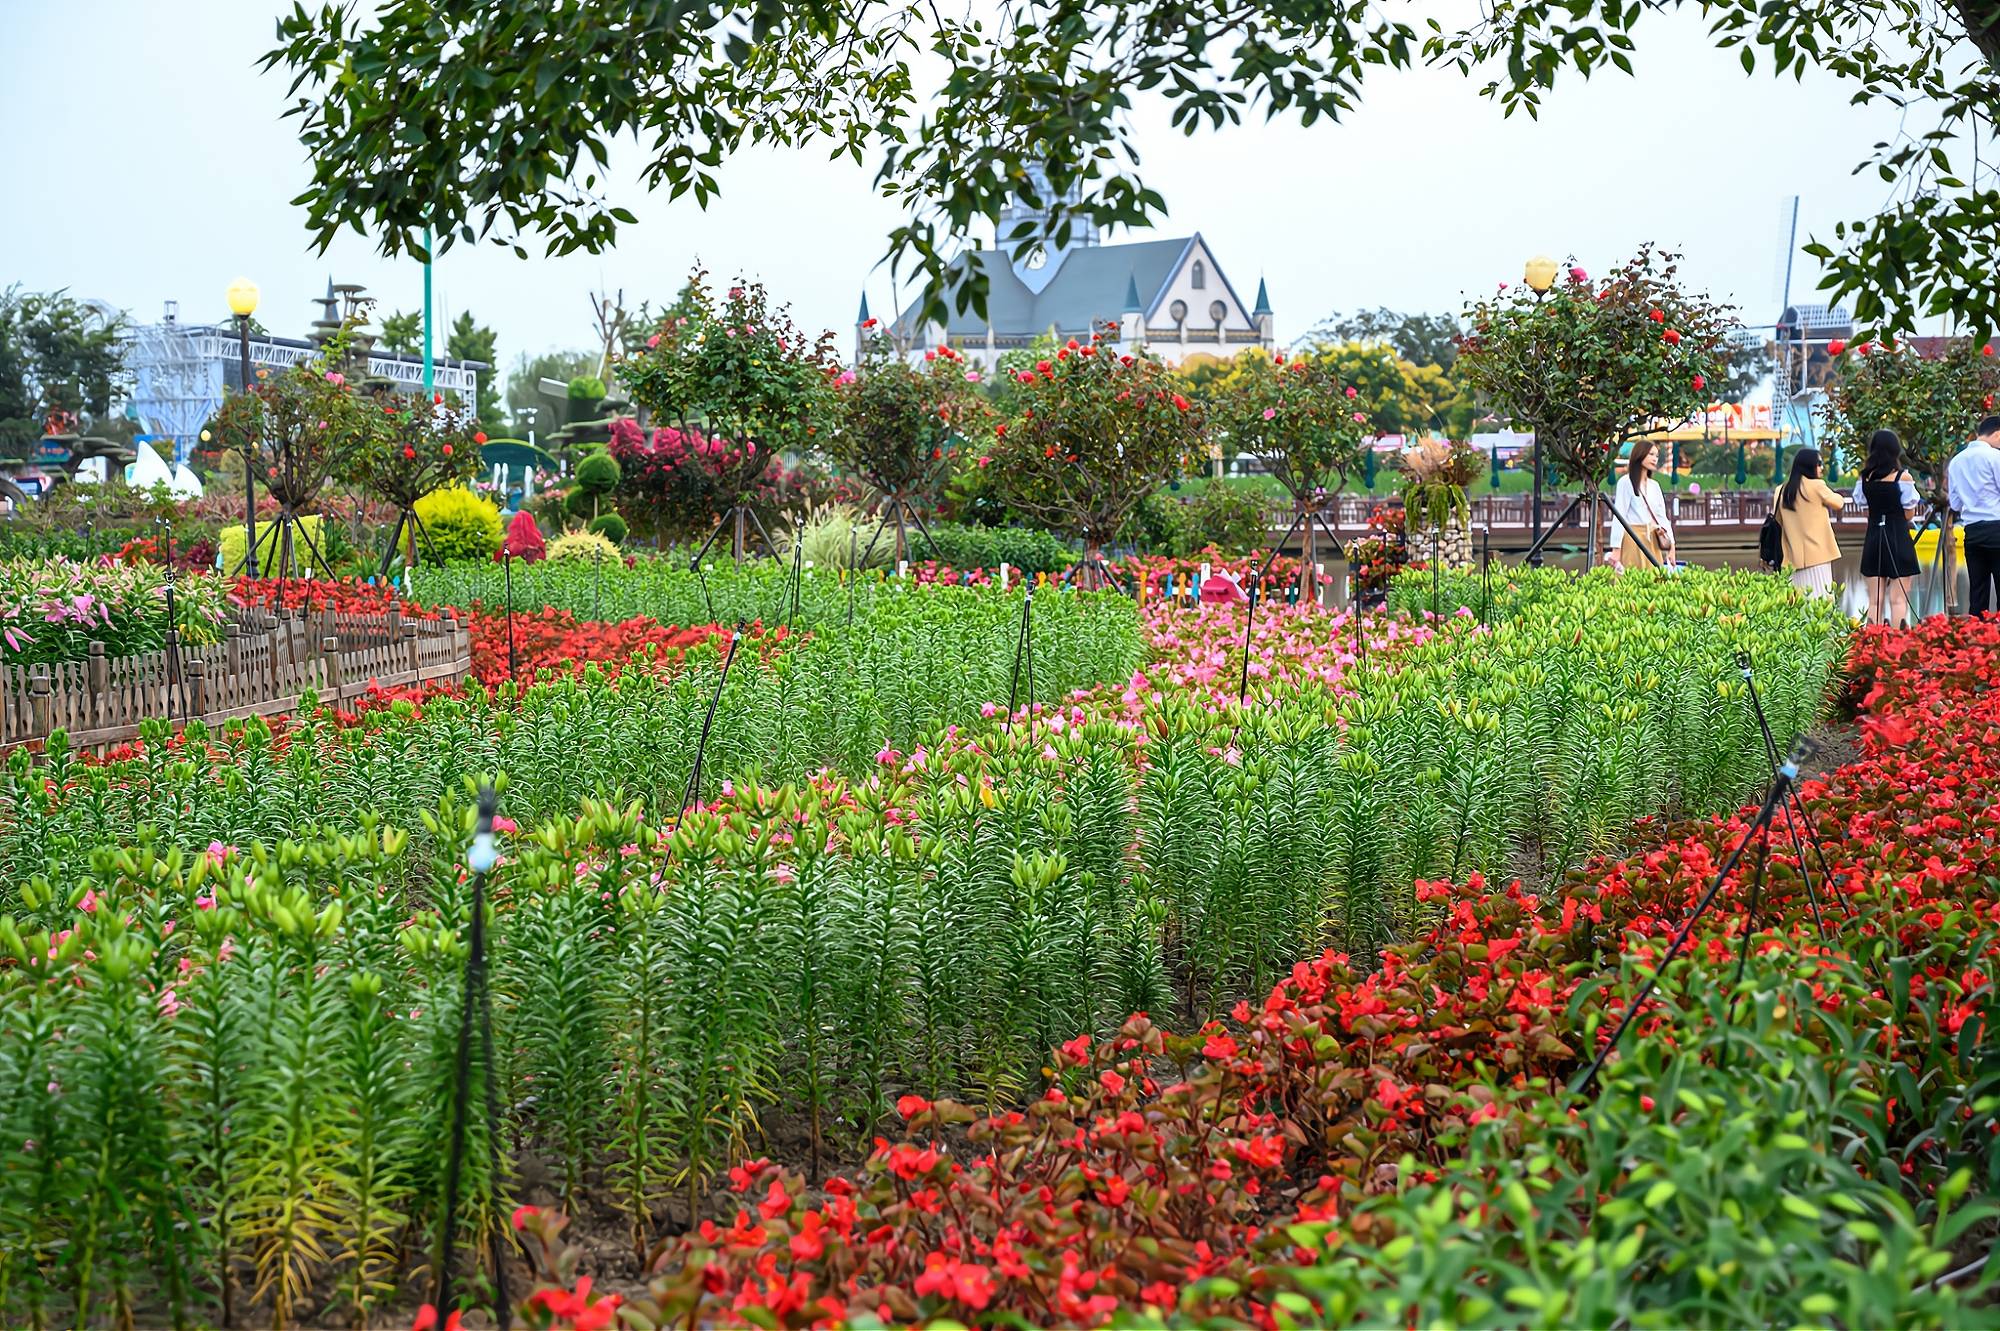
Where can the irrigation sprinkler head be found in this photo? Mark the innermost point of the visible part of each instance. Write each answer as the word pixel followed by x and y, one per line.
pixel 483 855
pixel 1743 664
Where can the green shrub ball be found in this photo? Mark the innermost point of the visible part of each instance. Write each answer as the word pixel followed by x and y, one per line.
pixel 609 525
pixel 598 472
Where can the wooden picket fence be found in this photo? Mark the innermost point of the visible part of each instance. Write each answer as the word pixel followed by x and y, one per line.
pixel 264 664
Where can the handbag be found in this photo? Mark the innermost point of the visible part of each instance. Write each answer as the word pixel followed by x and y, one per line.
pixel 1771 541
pixel 1657 532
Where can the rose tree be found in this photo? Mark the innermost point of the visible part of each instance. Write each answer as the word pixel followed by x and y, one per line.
pixel 899 427
pixel 297 429
pixel 1587 366
pixel 1096 433
pixel 1931 402
pixel 737 372
pixel 677 481
pixel 413 446
pixel 1305 424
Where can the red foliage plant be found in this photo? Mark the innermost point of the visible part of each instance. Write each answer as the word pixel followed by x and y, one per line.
pixel 524 540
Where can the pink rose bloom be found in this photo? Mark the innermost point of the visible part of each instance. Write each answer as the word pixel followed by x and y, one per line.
pixel 1270 412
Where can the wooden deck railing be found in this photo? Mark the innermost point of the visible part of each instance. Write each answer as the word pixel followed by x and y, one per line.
pixel 264 664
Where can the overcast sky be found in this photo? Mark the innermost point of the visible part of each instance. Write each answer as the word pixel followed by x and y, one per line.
pixel 145 159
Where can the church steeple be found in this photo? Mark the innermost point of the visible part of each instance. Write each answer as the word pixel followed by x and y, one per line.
pixel 1263 298
pixel 861 331
pixel 1022 232
pixel 1261 316
pixel 1132 325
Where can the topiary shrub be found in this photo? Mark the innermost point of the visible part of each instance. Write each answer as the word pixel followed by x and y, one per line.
pixel 608 525
pixel 598 472
pixel 459 524
pixel 582 547
pixel 231 539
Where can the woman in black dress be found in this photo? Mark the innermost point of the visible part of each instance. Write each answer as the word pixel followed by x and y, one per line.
pixel 1888 555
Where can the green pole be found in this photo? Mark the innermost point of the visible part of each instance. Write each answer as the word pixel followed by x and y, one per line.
pixel 1778 462
pixel 1496 464
pixel 1742 463
pixel 427 312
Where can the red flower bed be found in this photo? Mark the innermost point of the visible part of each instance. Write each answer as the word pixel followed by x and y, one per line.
pixel 546 641
pixel 1114 1190
pixel 1911 668
pixel 556 641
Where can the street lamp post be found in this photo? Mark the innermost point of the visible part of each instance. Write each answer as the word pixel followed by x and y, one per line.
pixel 1540 275
pixel 243 304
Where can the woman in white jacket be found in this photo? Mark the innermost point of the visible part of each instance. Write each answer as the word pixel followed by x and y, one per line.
pixel 1644 509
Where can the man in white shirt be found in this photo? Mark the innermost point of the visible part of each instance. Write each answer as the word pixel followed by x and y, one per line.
pixel 1973 480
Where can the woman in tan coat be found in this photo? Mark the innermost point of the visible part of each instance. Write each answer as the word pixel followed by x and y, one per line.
pixel 1806 506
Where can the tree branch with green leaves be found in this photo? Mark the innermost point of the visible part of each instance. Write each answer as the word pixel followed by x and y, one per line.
pixel 486 120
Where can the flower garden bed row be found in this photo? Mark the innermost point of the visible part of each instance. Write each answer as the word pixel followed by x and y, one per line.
pixel 234 960
pixel 1790 1136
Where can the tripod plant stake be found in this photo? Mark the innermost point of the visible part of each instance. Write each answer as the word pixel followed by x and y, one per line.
pixel 476 1005
pixel 1787 774
pixel 507 572
pixel 693 791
